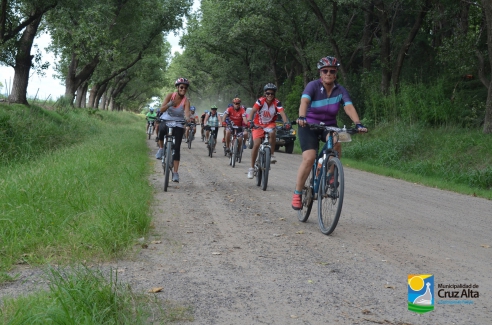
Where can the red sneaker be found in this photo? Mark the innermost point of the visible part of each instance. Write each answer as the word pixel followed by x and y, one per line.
pixel 296 201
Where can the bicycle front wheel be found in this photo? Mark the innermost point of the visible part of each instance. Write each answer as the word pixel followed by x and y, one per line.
pixel 258 168
pixel 190 138
pixel 169 161
pixel 149 130
pixel 234 153
pixel 211 144
pixel 240 153
pixel 307 199
pixel 266 169
pixel 330 196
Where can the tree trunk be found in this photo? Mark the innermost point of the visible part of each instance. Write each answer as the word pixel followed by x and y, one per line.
pixel 81 95
pixel 385 52
pixel 367 37
pixel 487 8
pixel 395 77
pixel 74 79
pixel 23 62
pixel 100 92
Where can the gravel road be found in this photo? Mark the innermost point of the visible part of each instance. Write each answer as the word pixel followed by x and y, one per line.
pixel 238 255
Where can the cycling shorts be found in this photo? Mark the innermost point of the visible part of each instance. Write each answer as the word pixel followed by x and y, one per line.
pixel 260 133
pixel 309 139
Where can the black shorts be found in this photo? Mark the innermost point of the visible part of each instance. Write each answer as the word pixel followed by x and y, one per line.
pixel 309 139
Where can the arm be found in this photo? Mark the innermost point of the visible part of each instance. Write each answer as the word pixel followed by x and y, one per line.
pixel 166 103
pixel 352 113
pixel 205 120
pixel 303 106
pixel 187 111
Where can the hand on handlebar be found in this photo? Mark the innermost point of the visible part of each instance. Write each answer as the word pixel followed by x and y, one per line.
pixel 361 128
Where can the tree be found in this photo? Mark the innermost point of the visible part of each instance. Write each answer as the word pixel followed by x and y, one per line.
pixel 487 8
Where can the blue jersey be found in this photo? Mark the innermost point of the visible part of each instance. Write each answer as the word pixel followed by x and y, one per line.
pixel 321 108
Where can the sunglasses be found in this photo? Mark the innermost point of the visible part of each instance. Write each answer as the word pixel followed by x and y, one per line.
pixel 237 103
pixel 331 71
pixel 269 93
pixel 183 87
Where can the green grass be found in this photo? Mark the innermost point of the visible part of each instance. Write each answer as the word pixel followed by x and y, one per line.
pixel 87 200
pixel 84 296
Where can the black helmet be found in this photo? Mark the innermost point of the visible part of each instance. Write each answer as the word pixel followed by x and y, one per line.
pixel 328 61
pixel 270 86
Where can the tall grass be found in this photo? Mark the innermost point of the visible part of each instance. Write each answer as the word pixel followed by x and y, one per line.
pixel 84 296
pixel 451 154
pixel 86 200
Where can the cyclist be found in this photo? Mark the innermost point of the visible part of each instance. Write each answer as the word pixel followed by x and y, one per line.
pixel 320 102
pixel 266 108
pixel 202 118
pixel 175 108
pixel 212 119
pixel 193 119
pixel 236 115
pixel 151 116
pixel 224 124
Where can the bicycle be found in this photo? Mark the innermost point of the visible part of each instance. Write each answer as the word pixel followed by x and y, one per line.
pixel 262 164
pixel 167 157
pixel 234 150
pixel 190 133
pixel 211 140
pixel 324 186
pixel 150 128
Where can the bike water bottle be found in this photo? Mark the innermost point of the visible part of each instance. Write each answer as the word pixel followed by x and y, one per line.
pixel 318 175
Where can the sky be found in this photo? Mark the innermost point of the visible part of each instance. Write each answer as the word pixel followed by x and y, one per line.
pixel 48 86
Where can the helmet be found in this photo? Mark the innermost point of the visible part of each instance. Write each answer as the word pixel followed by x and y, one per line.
pixel 206 111
pixel 270 86
pixel 236 100
pixel 230 105
pixel 328 61
pixel 180 81
pixel 192 108
pixel 214 108
pixel 151 109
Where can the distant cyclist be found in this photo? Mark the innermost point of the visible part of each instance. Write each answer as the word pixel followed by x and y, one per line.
pixel 193 119
pixel 224 124
pixel 175 109
pixel 151 116
pixel 202 118
pixel 236 115
pixel 266 109
pixel 212 119
pixel 320 102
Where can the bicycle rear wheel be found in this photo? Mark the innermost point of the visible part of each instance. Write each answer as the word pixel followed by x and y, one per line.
pixel 330 196
pixel 169 160
pixel 307 199
pixel 234 153
pixel 190 137
pixel 240 153
pixel 266 168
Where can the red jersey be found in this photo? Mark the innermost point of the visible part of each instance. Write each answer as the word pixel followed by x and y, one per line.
pixel 236 116
pixel 266 114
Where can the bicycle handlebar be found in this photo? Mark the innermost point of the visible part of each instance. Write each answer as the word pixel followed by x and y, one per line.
pixel 332 128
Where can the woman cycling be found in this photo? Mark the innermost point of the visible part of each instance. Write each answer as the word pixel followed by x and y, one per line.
pixel 212 119
pixel 175 110
pixel 320 102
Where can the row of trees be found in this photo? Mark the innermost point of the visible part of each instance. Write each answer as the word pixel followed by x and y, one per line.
pixel 111 48
pixel 235 47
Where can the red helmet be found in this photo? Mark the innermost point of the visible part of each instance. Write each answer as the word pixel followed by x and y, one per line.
pixel 328 61
pixel 180 81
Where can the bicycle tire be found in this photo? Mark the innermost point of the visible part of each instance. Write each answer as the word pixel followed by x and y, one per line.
pixel 307 198
pixel 149 131
pixel 258 169
pixel 169 160
pixel 240 154
pixel 211 144
pixel 190 137
pixel 234 153
pixel 266 168
pixel 330 198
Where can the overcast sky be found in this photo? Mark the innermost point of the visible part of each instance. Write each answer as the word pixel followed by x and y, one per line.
pixel 48 85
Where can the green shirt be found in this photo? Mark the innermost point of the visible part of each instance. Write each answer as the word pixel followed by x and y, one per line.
pixel 151 116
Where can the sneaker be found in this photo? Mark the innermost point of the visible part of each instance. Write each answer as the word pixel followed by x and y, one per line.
pixel 296 201
pixel 156 139
pixel 251 173
pixel 273 160
pixel 159 153
pixel 175 177
pixel 186 141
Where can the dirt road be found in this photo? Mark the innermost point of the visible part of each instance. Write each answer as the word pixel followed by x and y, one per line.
pixel 238 255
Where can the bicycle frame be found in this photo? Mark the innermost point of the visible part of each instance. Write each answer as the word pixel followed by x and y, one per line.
pixel 262 164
